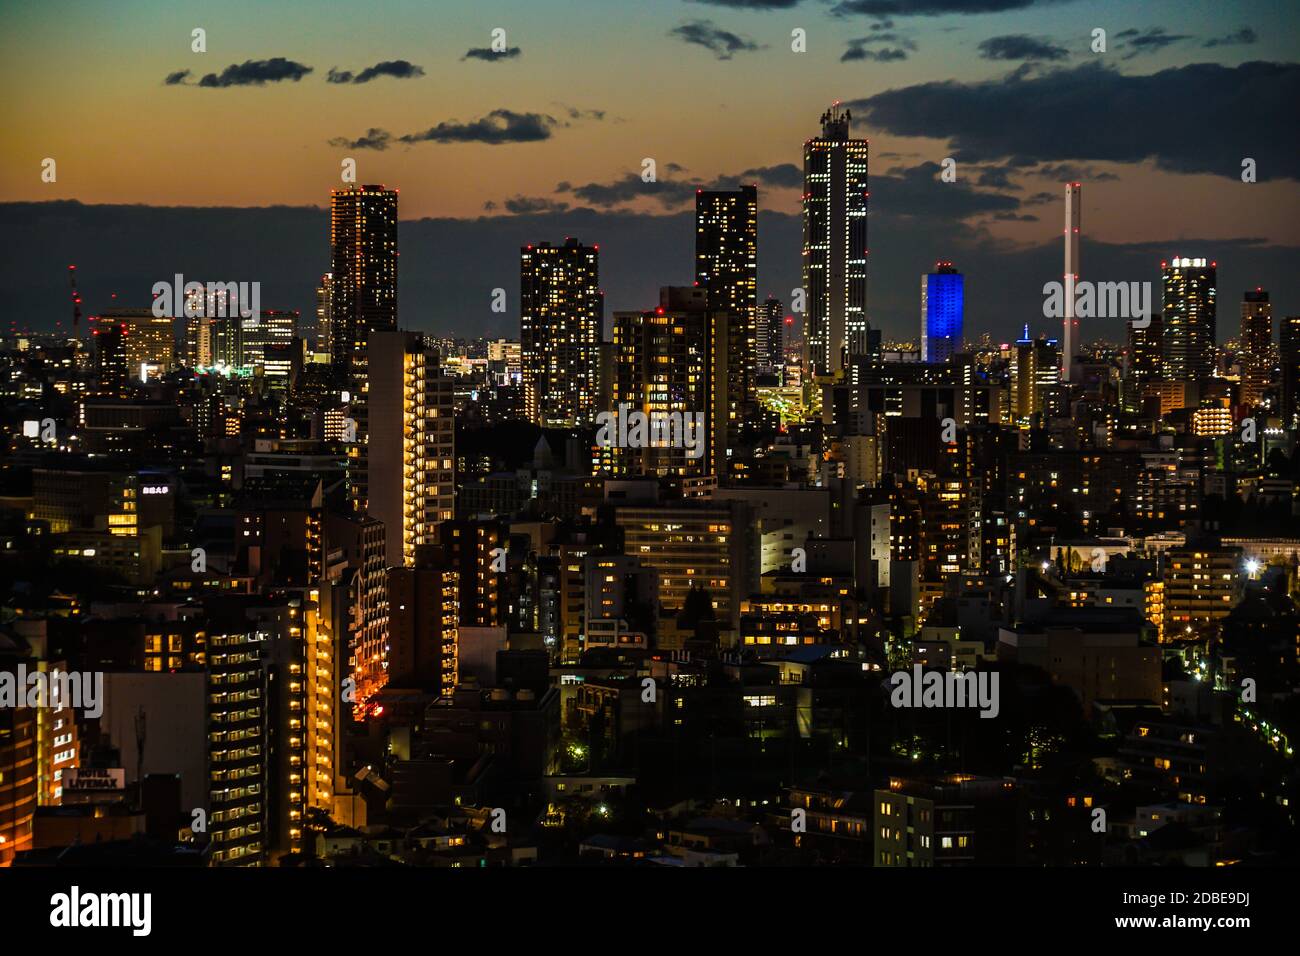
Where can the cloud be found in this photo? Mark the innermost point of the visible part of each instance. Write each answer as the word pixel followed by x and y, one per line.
pixel 1151 40
pixel 1200 118
pixel 376 139
pixel 674 193
pixel 532 205
pixel 498 127
pixel 176 79
pixel 857 49
pixel 750 4
pixel 257 73
pixel 883 55
pixel 399 69
pixel 782 176
pixel 995 177
pixel 931 8
pixel 918 192
pixel 723 43
pixel 1018 46
pixel 1243 36
pixel 578 114
pixel 1073 172
pixel 629 188
pixel 491 55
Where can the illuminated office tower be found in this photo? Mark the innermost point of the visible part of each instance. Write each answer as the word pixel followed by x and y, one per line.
pixel 835 244
pixel 411 450
pixel 324 313
pixel 771 334
pixel 1256 356
pixel 726 264
pixel 1034 366
pixel 269 329
pixel 710 546
pixel 150 341
pixel 560 315
pixel 942 302
pixel 671 364
pixel 1188 287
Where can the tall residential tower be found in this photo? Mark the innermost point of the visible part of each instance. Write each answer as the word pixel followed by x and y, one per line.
pixel 835 244
pixel 560 316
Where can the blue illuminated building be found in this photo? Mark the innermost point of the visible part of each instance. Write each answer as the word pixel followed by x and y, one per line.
pixel 941 313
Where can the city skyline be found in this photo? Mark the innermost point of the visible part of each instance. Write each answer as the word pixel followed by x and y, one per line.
pixel 905 476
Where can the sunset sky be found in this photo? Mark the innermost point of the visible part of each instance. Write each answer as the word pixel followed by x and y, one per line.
pixel 551 138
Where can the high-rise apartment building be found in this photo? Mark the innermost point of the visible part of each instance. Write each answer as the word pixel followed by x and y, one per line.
pixel 1256 355
pixel 411 447
pixel 942 303
pixel 325 313
pixel 423 626
pixel 835 244
pixel 672 365
pixel 726 264
pixel 560 314
pixel 771 334
pixel 1144 356
pixel 1189 318
pixel 363 253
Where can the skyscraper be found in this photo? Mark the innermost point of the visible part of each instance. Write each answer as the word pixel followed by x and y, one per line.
pixel 560 316
pixel 942 301
pixel 835 243
pixel 363 288
pixel 1143 358
pixel 110 354
pixel 1189 318
pixel 150 340
pixel 1034 366
pixel 726 264
pixel 771 334
pixel 269 329
pixel 673 361
pixel 1256 356
pixel 324 312
pixel 411 449
pixel 1288 348
pixel 1070 334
